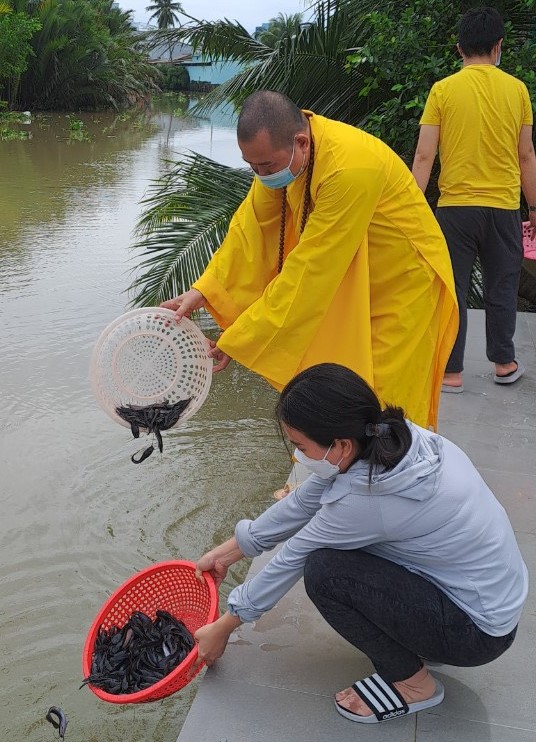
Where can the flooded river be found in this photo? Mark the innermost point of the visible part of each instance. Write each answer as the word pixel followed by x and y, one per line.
pixel 78 517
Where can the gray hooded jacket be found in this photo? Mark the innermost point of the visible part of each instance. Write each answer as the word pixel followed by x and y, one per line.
pixel 433 514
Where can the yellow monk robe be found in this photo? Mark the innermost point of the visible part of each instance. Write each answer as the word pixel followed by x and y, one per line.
pixel 368 284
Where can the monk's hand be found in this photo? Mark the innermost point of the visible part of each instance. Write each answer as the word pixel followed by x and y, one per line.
pixel 221 358
pixel 185 304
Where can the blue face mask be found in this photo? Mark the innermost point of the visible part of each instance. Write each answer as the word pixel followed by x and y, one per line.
pixel 498 61
pixel 282 178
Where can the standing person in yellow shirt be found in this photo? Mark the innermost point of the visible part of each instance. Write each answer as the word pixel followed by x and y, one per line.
pixel 334 255
pixel 481 118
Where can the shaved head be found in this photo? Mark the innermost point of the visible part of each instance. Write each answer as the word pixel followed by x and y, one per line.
pixel 273 112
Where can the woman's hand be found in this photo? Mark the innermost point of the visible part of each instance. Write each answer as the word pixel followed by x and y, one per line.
pixel 218 560
pixel 212 640
pixel 209 563
pixel 186 303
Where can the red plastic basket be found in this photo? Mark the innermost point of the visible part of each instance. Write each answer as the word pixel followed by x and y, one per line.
pixel 529 246
pixel 169 586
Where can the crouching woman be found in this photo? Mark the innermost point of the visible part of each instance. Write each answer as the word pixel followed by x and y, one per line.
pixel 404 550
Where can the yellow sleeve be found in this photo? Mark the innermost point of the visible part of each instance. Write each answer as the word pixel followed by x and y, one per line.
pixel 247 259
pixel 272 335
pixel 432 111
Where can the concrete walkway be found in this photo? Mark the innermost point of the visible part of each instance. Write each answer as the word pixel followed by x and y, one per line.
pixel 277 678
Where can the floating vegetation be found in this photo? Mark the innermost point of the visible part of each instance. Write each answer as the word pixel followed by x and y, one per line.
pixel 138 655
pixel 77 130
pixel 7 133
pixel 7 118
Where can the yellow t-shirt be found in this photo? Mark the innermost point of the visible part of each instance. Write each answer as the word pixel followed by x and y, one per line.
pixel 480 110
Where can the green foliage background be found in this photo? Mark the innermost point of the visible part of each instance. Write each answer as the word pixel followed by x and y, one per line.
pixel 411 45
pixel 16 31
pixel 84 54
pixel 174 77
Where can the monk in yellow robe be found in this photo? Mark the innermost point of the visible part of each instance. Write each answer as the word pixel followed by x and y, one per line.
pixel 334 256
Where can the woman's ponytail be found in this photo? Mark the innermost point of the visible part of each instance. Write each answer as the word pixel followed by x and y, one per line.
pixel 388 440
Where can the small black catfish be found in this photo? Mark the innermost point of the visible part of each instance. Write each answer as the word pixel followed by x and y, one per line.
pixel 154 418
pixel 58 720
pixel 142 652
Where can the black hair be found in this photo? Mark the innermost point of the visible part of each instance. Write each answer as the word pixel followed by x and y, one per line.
pixel 479 30
pixel 274 112
pixel 328 402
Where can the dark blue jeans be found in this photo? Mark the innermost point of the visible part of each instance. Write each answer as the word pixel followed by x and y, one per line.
pixel 394 616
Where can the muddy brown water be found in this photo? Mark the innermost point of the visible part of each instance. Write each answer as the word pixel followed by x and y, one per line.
pixel 77 517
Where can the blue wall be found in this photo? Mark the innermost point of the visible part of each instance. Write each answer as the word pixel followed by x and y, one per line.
pixel 213 73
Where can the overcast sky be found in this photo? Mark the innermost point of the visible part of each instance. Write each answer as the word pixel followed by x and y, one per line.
pixel 250 13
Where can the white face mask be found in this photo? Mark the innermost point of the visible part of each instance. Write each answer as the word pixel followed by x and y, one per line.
pixel 321 467
pixel 498 60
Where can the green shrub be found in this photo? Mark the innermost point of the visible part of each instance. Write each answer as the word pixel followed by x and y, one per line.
pixel 174 77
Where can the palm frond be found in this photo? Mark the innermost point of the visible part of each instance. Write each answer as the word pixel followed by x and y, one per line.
pixel 186 220
pixel 309 67
pixel 217 40
pixel 279 27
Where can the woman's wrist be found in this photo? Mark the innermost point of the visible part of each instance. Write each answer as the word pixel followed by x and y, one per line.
pixel 228 623
pixel 227 553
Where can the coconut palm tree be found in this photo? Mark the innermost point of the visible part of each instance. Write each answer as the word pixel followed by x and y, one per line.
pixel 280 27
pixel 87 55
pixel 166 12
pixel 312 68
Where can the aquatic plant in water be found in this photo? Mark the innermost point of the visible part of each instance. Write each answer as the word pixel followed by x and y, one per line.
pixel 7 134
pixel 77 130
pixel 13 117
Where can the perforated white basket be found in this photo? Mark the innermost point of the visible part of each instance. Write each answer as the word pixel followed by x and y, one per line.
pixel 146 357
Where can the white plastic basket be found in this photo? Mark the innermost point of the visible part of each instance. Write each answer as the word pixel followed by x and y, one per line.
pixel 146 357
